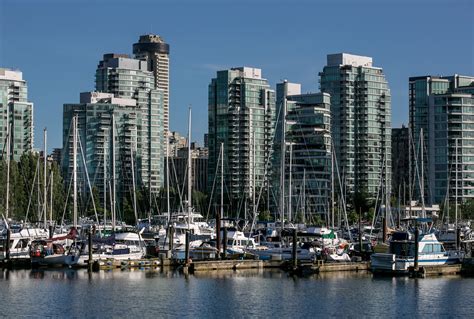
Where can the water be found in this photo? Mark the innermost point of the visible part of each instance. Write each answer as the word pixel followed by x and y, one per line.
pixel 139 293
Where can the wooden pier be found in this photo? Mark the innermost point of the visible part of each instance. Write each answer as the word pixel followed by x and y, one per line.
pixel 196 266
pixel 105 264
pixel 426 271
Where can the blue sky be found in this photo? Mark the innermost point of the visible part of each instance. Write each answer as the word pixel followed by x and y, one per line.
pixel 57 45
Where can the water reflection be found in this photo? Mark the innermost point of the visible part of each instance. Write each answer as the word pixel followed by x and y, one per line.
pixel 243 293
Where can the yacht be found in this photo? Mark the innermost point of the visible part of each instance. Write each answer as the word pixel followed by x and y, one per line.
pixel 401 254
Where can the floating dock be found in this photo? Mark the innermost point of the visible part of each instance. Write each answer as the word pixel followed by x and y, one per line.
pixel 106 264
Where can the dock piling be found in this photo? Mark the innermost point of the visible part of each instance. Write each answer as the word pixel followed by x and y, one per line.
pixel 186 256
pixel 170 238
pixel 218 235
pixel 7 246
pixel 224 240
pixel 295 243
pixel 416 247
pixel 89 246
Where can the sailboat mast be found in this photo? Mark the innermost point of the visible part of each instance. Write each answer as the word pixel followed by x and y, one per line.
pixel 190 167
pixel 7 204
pixel 105 180
pixel 289 184
pixel 51 200
pixel 45 189
pixel 456 202
pixel 409 169
pixel 282 160
pixel 254 166
pixel 74 168
pixel 422 182
pixel 222 180
pixel 168 175
pixel 304 196
pixel 113 174
pixel 133 183
pixel 333 204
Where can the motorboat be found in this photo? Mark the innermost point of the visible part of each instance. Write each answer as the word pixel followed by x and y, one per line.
pixel 401 254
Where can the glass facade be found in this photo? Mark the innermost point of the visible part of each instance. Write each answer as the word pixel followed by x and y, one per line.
pixel 442 107
pixel 17 112
pixel 241 115
pixel 129 78
pixel 126 90
pixel 361 123
pixel 451 128
pixel 309 133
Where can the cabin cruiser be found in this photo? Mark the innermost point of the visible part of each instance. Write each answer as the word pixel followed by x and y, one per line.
pixel 401 254
pixel 20 242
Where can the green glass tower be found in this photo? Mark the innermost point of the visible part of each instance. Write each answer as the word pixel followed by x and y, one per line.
pixel 241 116
pixel 129 78
pixel 16 112
pixel 125 92
pixel 443 106
pixel 309 136
pixel 361 122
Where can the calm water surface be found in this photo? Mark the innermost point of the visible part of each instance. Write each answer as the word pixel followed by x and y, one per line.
pixel 140 293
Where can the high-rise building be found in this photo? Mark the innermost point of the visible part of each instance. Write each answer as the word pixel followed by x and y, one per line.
pixel 361 121
pixel 155 51
pixel 309 138
pixel 421 89
pixel 176 142
pixel 130 79
pixel 443 106
pixel 283 105
pixel 16 112
pixel 241 116
pixel 100 118
pixel 179 166
pixel 400 163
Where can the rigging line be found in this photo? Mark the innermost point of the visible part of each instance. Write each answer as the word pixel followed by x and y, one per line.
pixel 31 192
pixel 88 180
pixel 67 199
pixel 212 190
pixel 267 163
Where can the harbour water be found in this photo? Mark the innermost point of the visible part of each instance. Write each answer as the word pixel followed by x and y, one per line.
pixel 232 294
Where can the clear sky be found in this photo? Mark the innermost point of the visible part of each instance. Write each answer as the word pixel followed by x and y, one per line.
pixel 57 45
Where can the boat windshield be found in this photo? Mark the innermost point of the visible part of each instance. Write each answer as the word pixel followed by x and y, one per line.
pixel 404 249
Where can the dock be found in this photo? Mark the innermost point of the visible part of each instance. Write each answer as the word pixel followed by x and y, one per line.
pixel 107 264
pixel 225 265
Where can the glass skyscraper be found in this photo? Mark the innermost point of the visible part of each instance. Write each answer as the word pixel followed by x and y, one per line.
pixel 126 91
pixel 361 121
pixel 309 136
pixel 17 112
pixel 443 106
pixel 129 78
pixel 241 115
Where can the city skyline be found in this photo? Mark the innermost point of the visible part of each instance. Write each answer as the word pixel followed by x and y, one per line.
pixel 259 39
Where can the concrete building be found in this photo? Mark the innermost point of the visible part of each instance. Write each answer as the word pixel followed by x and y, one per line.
pixel 425 92
pixel 130 79
pixel 155 51
pixel 309 138
pixel 400 163
pixel 176 142
pixel 283 105
pixel 56 155
pixel 241 116
pixel 95 116
pixel 16 112
pixel 179 167
pixel 361 121
pixel 450 139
